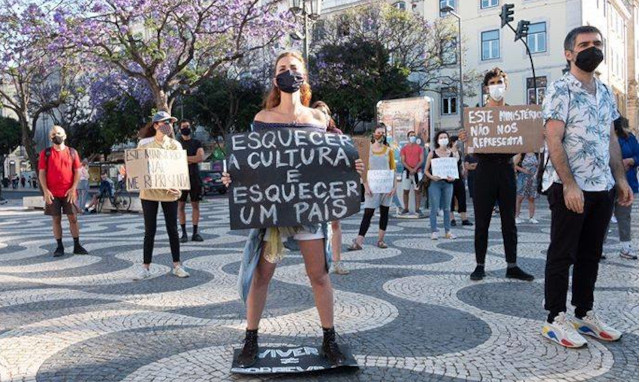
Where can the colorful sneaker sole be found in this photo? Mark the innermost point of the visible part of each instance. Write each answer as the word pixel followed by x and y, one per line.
pixel 550 334
pixel 601 335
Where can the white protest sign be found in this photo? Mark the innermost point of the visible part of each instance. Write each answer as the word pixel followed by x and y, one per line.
pixel 445 167
pixel 156 169
pixel 380 181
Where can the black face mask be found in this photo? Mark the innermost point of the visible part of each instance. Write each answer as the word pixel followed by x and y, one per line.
pixel 186 131
pixel 589 59
pixel 57 140
pixel 289 81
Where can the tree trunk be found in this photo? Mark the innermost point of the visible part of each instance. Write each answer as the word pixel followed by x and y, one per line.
pixel 27 141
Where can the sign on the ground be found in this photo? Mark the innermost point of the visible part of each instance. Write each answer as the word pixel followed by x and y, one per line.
pixel 445 167
pixel 504 129
pixel 380 181
pixel 287 360
pixel 156 169
pixel 291 177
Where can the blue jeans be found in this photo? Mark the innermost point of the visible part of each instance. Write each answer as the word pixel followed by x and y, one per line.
pixel 440 194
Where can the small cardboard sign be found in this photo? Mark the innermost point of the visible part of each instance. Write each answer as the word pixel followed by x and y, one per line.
pixel 291 360
pixel 504 129
pixel 291 177
pixel 445 167
pixel 380 181
pixel 363 145
pixel 158 169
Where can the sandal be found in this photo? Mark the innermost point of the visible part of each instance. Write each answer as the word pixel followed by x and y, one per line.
pixel 354 246
pixel 382 244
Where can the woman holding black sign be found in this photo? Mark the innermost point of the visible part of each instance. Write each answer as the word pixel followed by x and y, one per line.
pixel 381 157
pixel 159 135
pixel 286 106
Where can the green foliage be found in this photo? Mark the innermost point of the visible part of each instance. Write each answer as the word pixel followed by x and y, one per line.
pixel 10 135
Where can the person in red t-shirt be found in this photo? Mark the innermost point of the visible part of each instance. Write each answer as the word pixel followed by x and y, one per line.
pixel 59 174
pixel 412 155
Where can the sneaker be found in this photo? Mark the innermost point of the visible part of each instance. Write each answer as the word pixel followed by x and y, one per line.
pixel 519 220
pixel 338 269
pixel 533 221
pixel 627 255
pixel 467 223
pixel 518 274
pixel 454 223
pixel 450 236
pixel 143 274
pixel 196 237
pixel 592 326
pixel 563 332
pixel 478 273
pixel 434 236
pixel 58 252
pixel 79 250
pixel 180 272
pixel 404 212
pixel 184 238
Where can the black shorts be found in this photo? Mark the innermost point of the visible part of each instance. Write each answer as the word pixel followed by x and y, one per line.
pixel 60 205
pixel 194 194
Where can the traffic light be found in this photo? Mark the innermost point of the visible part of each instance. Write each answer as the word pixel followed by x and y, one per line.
pixel 507 14
pixel 522 30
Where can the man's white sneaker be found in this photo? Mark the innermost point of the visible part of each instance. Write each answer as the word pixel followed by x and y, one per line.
pixel 519 220
pixel 434 236
pixel 592 326
pixel 142 274
pixel 533 221
pixel 563 332
pixel 180 272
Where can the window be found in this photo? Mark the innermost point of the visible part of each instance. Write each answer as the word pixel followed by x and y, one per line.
pixel 541 85
pixel 490 44
pixel 449 104
pixel 400 5
pixel 488 3
pixel 444 3
pixel 537 37
pixel 448 52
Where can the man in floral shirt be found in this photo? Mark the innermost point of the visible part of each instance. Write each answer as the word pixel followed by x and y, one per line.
pixel 585 165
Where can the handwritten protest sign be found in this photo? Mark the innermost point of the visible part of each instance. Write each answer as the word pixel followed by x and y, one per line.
pixel 291 177
pixel 504 129
pixel 445 167
pixel 380 181
pixel 156 169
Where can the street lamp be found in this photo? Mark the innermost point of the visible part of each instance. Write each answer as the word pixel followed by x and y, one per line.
pixel 309 10
pixel 449 9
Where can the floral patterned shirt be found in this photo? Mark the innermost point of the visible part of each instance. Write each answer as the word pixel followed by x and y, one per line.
pixel 587 120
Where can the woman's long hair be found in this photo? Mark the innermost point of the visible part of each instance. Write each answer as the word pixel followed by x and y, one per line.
pixel 331 126
pixel 273 97
pixel 620 126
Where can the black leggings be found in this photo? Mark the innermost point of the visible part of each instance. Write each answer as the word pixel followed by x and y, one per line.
pixel 366 219
pixel 170 211
pixel 459 194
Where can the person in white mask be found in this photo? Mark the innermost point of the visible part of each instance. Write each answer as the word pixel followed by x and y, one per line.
pixel 495 181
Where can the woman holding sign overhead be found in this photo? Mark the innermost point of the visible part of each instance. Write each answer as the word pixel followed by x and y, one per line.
pixel 381 159
pixel 440 190
pixel 286 106
pixel 158 135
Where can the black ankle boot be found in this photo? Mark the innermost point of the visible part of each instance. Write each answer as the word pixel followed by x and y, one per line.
pixel 249 354
pixel 330 347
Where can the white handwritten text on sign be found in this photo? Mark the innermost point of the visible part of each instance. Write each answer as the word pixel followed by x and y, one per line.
pixel 156 169
pixel 291 177
pixel 504 129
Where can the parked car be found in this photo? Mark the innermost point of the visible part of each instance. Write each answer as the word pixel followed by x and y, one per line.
pixel 212 182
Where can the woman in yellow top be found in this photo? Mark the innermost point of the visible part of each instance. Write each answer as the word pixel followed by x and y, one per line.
pixel 380 158
pixel 159 135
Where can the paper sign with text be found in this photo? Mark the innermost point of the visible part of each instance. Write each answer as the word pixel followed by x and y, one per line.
pixel 380 181
pixel 504 129
pixel 291 177
pixel 445 167
pixel 156 169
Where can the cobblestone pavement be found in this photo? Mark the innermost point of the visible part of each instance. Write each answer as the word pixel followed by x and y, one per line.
pixel 408 312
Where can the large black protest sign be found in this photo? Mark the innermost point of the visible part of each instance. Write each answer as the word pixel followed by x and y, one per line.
pixel 291 177
pixel 290 360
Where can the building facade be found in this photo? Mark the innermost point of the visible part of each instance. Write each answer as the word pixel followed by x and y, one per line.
pixel 486 45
